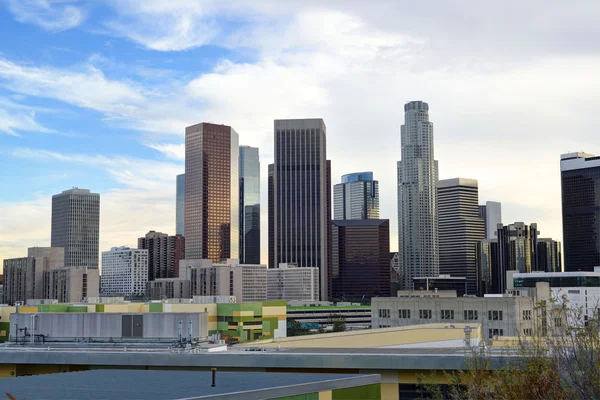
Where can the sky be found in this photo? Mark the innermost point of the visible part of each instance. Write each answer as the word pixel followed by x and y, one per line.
pixel 97 94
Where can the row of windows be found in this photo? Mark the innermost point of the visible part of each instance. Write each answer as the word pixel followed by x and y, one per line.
pixel 471 315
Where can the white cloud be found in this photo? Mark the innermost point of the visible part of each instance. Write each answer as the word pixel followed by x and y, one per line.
pixel 87 88
pixel 170 150
pixel 13 122
pixel 51 15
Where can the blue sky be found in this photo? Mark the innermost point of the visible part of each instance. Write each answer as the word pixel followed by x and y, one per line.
pixel 97 94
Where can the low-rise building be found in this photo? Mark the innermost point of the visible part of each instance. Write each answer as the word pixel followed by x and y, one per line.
pixel 124 271
pixel 168 288
pixel 246 282
pixel 500 315
pixel 288 282
pixel 580 290
pixel 238 321
pixel 315 317
pixel 71 284
pixel 23 277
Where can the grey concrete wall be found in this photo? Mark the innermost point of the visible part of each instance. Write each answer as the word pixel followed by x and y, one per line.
pixel 109 325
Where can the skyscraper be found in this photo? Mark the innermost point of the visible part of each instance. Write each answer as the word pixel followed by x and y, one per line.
pixel 76 226
pixel 357 197
pixel 301 205
pixel 517 245
pixel 211 192
pixel 580 179
pixel 460 229
pixel 164 253
pixel 417 196
pixel 488 270
pixel 360 258
pixel 549 256
pixel 249 205
pixel 271 216
pixel 180 205
pixel 491 214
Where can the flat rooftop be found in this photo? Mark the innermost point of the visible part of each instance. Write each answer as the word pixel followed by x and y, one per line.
pixel 175 385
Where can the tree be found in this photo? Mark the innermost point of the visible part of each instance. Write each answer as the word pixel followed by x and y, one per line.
pixel 557 357
pixel 338 322
pixel 295 328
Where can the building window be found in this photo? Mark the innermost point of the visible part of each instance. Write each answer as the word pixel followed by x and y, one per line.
pixel 447 314
pixel 425 314
pixel 471 315
pixel 384 313
pixel 404 314
pixel 495 332
pixel 527 332
pixel 527 315
pixel 495 315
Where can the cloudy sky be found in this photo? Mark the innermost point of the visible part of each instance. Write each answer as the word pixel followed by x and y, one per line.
pixel 97 94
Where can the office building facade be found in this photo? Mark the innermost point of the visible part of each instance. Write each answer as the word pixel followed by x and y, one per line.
pixel 509 315
pixel 301 197
pixel 71 284
pixel 180 205
pixel 244 281
pixel 491 214
pixel 76 226
pixel 418 245
pixel 460 229
pixel 249 205
pixel 517 245
pixel 124 271
pixel 164 253
pixel 211 192
pixel 488 270
pixel 549 255
pixel 360 258
pixel 288 282
pixel 24 277
pixel 357 197
pixel 271 215
pixel 580 184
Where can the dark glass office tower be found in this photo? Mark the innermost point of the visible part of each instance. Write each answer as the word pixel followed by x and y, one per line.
pixel 580 179
pixel 180 205
pixel 517 245
pixel 211 192
pixel 76 226
pixel 360 258
pixel 301 197
pixel 549 255
pixel 271 216
pixel 460 229
pixel 249 205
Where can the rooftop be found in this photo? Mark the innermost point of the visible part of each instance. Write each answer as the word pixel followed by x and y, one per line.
pixel 154 385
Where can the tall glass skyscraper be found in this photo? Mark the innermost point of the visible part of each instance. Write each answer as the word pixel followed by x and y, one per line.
pixel 301 198
pixel 418 247
pixel 249 205
pixel 180 205
pixel 76 226
pixel 357 197
pixel 211 192
pixel 580 179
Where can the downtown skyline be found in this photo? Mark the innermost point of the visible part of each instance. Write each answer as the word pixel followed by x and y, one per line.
pixel 71 134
